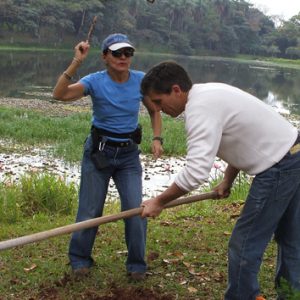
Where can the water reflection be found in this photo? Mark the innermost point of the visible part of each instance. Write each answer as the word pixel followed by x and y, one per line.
pixel 259 81
pixel 33 74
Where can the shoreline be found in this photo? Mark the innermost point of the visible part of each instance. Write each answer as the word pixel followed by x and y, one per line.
pixel 157 174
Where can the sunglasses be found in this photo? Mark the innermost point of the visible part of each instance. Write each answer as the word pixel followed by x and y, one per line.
pixel 128 52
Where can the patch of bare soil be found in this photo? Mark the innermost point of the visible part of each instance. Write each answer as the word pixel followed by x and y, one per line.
pixel 113 293
pixel 50 108
pixel 129 293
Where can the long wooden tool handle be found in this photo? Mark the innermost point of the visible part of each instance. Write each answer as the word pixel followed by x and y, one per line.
pixel 95 222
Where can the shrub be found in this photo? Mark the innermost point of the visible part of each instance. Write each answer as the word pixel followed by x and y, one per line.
pixel 10 197
pixel 46 193
pixel 36 193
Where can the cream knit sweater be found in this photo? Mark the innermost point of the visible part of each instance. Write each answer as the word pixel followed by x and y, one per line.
pixel 224 121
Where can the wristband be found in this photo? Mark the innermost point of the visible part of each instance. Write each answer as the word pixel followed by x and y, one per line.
pixel 67 76
pixel 77 60
pixel 158 138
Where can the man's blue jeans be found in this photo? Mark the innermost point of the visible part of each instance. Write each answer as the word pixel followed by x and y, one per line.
pixel 272 208
pixel 126 171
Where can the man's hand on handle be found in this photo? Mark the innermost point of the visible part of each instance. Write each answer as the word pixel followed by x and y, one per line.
pixel 223 189
pixel 152 208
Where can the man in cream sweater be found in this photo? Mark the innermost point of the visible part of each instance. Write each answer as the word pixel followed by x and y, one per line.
pixel 224 121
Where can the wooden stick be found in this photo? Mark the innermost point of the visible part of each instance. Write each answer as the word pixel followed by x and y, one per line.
pixel 96 222
pixel 92 27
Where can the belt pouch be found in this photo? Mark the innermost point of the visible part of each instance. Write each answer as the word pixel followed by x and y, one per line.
pixel 137 135
pixel 98 156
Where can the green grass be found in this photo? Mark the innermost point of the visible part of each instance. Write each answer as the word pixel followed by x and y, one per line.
pixel 283 62
pixel 190 267
pixel 186 245
pixel 36 194
pixel 31 48
pixel 193 266
pixel 68 134
pixel 144 50
pixel 31 128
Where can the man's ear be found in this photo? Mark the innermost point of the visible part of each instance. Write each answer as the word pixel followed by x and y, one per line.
pixel 176 89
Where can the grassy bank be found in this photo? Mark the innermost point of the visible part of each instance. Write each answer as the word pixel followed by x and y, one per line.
pixel 193 266
pixel 68 134
pixel 256 60
pixel 186 245
pixel 283 62
pixel 262 60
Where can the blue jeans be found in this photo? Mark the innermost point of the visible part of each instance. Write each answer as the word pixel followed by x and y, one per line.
pixel 126 171
pixel 272 208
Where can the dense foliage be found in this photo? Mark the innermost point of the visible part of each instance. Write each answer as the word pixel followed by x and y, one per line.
pixel 226 27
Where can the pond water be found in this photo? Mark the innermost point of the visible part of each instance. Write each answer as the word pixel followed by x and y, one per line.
pixel 157 174
pixel 32 75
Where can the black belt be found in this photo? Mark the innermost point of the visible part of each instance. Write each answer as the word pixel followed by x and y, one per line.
pixel 118 144
pixel 135 135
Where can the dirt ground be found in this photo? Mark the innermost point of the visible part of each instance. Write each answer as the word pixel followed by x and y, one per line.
pixel 51 108
pixel 116 293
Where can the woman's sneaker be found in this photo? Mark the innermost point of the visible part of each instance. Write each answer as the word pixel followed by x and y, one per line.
pixel 81 272
pixel 136 276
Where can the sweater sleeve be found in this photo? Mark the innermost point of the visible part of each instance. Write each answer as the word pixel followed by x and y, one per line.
pixel 204 132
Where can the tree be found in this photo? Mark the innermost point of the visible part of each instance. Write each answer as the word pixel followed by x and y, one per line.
pixel 226 27
pixel 293 52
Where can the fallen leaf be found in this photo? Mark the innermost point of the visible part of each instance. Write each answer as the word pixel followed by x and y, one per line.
pixel 191 269
pixel 171 261
pixel 192 289
pixel 166 223
pixel 178 254
pixel 233 216
pixel 32 267
pixel 188 265
pixel 15 281
pixel 153 256
pixel 122 252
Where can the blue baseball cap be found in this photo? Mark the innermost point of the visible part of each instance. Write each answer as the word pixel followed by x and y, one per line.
pixel 116 41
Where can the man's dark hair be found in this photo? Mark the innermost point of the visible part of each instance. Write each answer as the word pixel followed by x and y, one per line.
pixel 163 76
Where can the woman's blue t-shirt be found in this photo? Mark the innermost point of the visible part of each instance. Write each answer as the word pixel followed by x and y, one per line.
pixel 115 105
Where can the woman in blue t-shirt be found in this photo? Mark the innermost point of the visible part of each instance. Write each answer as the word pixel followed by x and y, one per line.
pixel 111 150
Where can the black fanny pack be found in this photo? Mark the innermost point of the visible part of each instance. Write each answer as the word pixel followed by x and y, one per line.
pixel 98 133
pixel 98 156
